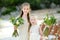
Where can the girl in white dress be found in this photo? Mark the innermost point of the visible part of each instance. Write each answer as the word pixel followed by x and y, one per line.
pixel 23 29
pixel 35 30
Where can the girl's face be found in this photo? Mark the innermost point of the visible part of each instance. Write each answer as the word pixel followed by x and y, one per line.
pixel 26 9
pixel 33 20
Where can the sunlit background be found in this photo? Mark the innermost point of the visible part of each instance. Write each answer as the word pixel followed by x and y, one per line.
pixel 39 8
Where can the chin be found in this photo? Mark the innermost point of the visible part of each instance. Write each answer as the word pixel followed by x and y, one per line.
pixel 33 23
pixel 25 12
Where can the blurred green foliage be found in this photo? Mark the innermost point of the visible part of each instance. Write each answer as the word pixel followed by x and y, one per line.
pixel 8 2
pixel 35 4
pixel 58 11
pixel 8 10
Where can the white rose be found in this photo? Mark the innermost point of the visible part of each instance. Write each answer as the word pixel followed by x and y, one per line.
pixel 17 22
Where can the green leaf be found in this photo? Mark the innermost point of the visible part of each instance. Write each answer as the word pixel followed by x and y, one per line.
pixel 49 20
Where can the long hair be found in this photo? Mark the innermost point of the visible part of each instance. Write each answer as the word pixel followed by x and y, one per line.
pixel 28 18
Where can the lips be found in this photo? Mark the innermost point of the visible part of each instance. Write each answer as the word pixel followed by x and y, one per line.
pixel 32 22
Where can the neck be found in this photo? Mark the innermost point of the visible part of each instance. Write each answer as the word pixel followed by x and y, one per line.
pixel 25 14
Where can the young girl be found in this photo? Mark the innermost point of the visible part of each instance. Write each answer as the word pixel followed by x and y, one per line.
pixel 35 30
pixel 23 29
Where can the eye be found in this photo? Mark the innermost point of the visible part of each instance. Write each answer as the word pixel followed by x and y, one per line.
pixel 27 8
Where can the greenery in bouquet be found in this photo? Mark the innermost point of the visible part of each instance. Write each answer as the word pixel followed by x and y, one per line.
pixel 16 22
pixel 49 20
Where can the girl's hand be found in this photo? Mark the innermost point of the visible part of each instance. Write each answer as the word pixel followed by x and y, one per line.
pixel 41 38
pixel 15 28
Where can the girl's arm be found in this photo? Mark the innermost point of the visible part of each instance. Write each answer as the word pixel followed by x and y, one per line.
pixel 40 31
pixel 41 28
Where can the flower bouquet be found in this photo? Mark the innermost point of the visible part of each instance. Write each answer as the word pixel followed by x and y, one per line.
pixel 49 20
pixel 16 22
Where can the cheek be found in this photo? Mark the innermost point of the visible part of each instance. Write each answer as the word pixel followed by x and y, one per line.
pixel 25 11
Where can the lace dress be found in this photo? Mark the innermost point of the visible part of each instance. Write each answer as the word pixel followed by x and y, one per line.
pixel 23 30
pixel 34 33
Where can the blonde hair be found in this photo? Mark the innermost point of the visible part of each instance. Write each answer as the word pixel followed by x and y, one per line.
pixel 24 4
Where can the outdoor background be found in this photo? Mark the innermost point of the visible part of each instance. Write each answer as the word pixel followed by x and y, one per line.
pixel 39 8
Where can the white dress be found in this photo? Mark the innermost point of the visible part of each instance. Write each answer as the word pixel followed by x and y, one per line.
pixel 34 32
pixel 23 30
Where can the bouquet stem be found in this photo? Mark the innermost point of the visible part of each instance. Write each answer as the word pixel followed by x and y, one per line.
pixel 15 33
